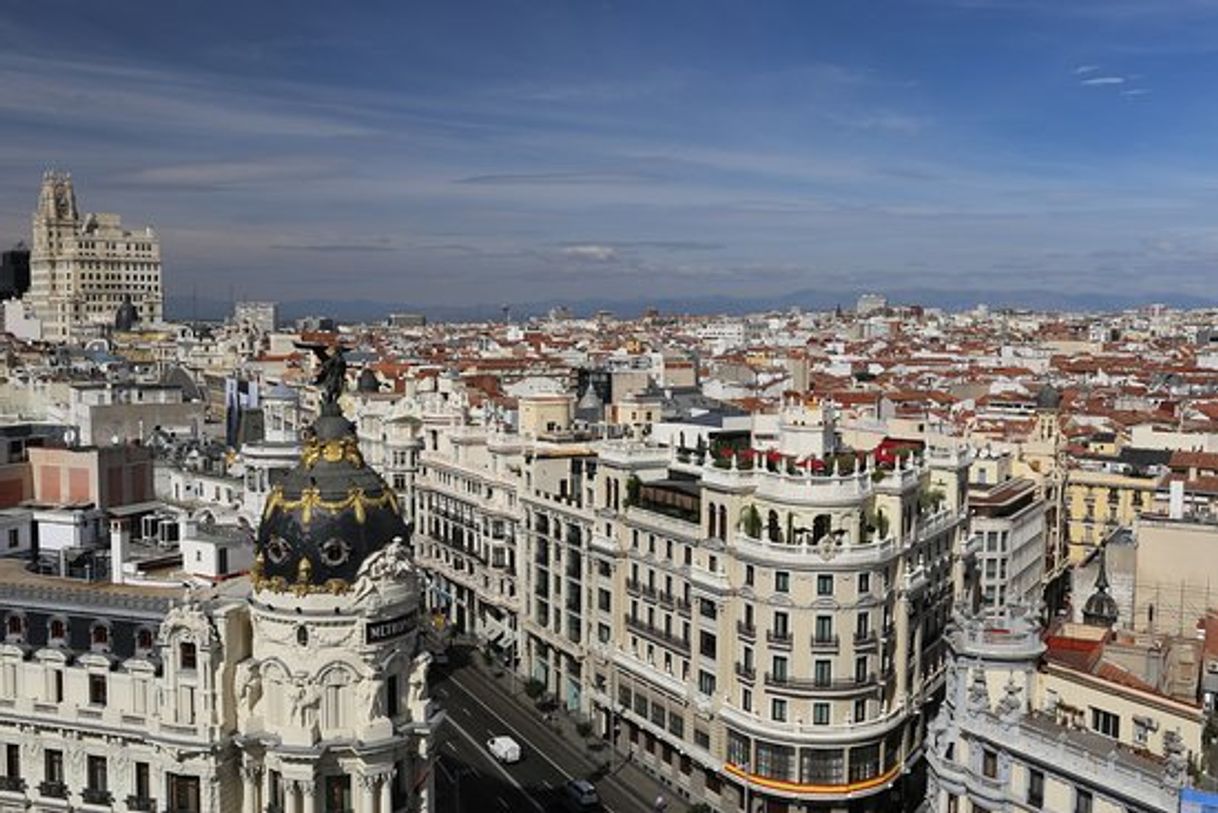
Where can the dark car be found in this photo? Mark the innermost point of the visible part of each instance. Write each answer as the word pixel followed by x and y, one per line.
pixel 580 796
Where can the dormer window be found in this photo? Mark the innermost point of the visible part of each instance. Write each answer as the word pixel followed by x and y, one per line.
pixel 187 656
pixel 100 636
pixel 143 640
pixel 58 631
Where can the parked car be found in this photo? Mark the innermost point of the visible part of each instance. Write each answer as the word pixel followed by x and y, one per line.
pixel 580 796
pixel 504 748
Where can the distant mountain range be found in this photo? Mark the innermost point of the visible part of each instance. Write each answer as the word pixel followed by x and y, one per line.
pixel 362 310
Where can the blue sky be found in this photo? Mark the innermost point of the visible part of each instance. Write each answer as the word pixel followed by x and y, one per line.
pixel 468 152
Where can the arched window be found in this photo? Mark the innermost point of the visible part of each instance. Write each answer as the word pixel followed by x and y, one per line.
pixel 58 630
pixel 15 626
pixel 143 640
pixel 723 523
pixel 773 530
pixel 820 527
pixel 100 635
pixel 712 530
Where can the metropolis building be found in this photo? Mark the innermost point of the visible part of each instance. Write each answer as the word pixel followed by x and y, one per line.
pixel 300 689
pixel 84 267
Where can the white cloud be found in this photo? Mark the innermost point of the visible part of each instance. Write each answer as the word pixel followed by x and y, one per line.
pixel 1135 92
pixel 1082 70
pixel 591 251
pixel 1104 80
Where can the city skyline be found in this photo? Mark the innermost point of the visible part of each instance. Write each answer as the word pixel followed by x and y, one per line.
pixel 444 157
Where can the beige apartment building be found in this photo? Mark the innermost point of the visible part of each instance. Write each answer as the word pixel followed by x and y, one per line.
pixel 755 628
pixel 83 267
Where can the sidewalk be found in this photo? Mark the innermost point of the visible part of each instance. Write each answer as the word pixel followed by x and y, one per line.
pixel 629 776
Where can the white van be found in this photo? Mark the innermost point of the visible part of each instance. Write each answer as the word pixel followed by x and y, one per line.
pixel 504 748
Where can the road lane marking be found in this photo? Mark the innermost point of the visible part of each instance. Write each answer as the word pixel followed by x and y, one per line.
pixel 450 746
pixel 514 730
pixel 511 779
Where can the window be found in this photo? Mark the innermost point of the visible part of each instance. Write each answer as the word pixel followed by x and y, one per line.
pixel 746 699
pixel 780 667
pixel 58 630
pixel 706 644
pixel 188 655
pixel 860 710
pixel 96 776
pixel 143 640
pixel 824 585
pixel 989 764
pixel 12 761
pixel 820 714
pixel 864 583
pixel 53 765
pixel 706 682
pixel 781 626
pixel 1106 723
pixel 143 784
pixel 1082 801
pixel 782 581
pixel 824 629
pixel 1036 788
pixel 707 608
pixel 57 686
pixel 391 696
pixel 15 626
pixel 748 575
pixel 823 671
pixel 97 690
pixel 100 635
pixel 778 710
pixel 14 537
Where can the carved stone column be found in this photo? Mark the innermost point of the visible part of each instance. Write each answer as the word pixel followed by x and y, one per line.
pixel 308 797
pixel 367 792
pixel 386 792
pixel 251 774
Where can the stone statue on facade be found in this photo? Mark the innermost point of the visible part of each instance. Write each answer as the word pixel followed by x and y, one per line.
pixel 372 695
pixel 417 699
pixel 389 563
pixel 249 689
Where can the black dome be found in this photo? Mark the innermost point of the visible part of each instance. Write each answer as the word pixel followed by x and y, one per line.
pixel 1048 398
pixel 326 516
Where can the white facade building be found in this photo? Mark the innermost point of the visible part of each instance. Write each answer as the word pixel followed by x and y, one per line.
pixel 83 267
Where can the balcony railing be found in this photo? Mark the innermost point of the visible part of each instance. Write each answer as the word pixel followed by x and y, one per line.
pixel 746 672
pixel 821 686
pixel 826 643
pixel 781 638
pixel 53 790
pixel 12 784
pixel 97 796
pixel 144 803
pixel 865 640
pixel 746 630
pixel 658 635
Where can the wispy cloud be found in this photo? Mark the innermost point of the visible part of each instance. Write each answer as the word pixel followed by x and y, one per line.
pixel 550 178
pixel 591 251
pixel 1082 70
pixel 1103 80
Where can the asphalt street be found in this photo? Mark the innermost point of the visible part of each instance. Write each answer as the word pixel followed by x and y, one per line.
pixel 470 780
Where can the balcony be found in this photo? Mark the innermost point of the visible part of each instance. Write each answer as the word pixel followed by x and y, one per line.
pixel 143 803
pixel 12 784
pixel 53 790
pixel 825 643
pixel 865 640
pixel 637 588
pixel 848 685
pixel 97 796
pixel 746 672
pixel 780 639
pixel 746 630
pixel 658 635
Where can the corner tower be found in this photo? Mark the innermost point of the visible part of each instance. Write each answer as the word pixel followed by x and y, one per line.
pixel 332 706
